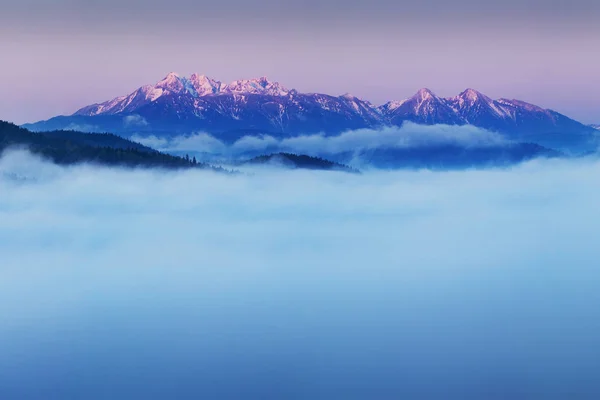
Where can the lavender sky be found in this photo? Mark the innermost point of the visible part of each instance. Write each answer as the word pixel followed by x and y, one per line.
pixel 60 55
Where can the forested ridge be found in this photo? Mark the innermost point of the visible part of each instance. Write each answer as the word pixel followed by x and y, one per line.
pixel 71 147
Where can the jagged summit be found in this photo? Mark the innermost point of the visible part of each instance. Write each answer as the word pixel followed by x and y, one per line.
pixel 197 85
pixel 171 76
pixel 393 105
pixel 425 107
pixel 203 85
pixel 257 86
pixel 424 94
pixel 472 95
pixel 171 82
pixel 478 109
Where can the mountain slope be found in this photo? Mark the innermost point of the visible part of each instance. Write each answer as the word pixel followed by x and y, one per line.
pixel 70 147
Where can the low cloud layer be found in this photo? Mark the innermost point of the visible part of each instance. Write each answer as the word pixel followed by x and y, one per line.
pixel 295 284
pixel 410 135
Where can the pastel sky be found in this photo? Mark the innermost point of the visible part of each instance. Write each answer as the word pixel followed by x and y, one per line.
pixel 60 55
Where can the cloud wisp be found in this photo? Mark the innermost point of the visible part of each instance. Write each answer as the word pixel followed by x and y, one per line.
pixel 410 135
pixel 297 284
pixel 135 120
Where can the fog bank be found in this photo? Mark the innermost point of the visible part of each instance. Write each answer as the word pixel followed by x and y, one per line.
pixel 302 285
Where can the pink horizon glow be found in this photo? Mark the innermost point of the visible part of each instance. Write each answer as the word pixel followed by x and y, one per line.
pixel 56 68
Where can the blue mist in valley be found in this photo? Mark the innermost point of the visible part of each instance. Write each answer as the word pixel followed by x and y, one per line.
pixel 133 284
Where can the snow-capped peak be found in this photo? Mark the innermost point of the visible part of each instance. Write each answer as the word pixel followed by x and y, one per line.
pixel 393 105
pixel 256 86
pixel 472 95
pixel 468 98
pixel 416 102
pixel 424 94
pixel 171 82
pixel 197 85
pixel 472 103
pixel 423 107
pixel 204 85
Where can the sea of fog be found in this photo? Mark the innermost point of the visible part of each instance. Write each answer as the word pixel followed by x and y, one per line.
pixel 118 284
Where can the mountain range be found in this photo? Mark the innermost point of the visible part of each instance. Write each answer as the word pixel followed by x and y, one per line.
pixel 181 105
